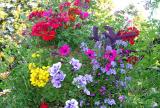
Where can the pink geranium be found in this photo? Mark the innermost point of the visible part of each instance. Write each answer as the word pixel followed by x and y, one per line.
pixel 64 50
pixel 90 53
pixel 110 55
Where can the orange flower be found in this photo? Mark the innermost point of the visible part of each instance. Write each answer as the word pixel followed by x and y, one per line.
pixel 72 18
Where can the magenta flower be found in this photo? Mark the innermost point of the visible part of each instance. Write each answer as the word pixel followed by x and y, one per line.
pixel 110 55
pixel 84 15
pixel 108 66
pixel 64 50
pixel 90 53
pixel 48 13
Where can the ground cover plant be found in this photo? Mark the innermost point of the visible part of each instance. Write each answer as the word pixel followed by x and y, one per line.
pixel 67 56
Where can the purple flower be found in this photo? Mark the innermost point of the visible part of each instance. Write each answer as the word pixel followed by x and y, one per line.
pixel 92 94
pixel 111 71
pixel 57 78
pixel 102 90
pixel 75 64
pixel 113 63
pixel 129 66
pixel 80 81
pixel 122 65
pixel 84 47
pixel 57 75
pixel 121 43
pixel 123 84
pixel 89 78
pixel 122 71
pixel 108 48
pixel 81 103
pixel 56 84
pixel 121 98
pixel 71 104
pixel 86 91
pixel 55 68
pixel 95 64
pixel 103 70
pixel 111 102
pixel 127 78
pixel 98 44
pixel 103 106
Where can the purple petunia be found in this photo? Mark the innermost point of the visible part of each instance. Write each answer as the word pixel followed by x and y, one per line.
pixel 82 81
pixel 121 98
pixel 71 104
pixel 95 64
pixel 76 65
pixel 57 78
pixel 111 72
pixel 110 101
pixel 57 75
pixel 55 68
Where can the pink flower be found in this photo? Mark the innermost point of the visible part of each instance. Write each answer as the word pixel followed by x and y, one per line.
pixel 64 50
pixel 90 53
pixel 64 5
pixel 84 15
pixel 110 55
pixel 48 13
pixel 77 3
pixel 108 66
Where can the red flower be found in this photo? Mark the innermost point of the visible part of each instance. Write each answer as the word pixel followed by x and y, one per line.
pixel 44 30
pixel 88 1
pixel 129 31
pixel 36 14
pixel 132 60
pixel 44 105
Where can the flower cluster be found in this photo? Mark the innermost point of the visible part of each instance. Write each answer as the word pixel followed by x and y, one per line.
pixel 38 76
pixel 82 81
pixel 57 75
pixel 47 22
pixel 130 31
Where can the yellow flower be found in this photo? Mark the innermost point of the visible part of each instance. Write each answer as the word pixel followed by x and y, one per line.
pixel 3 15
pixel 39 77
pixel 11 59
pixel 1 54
pixel 31 66
pixel 4 75
pixel 35 55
